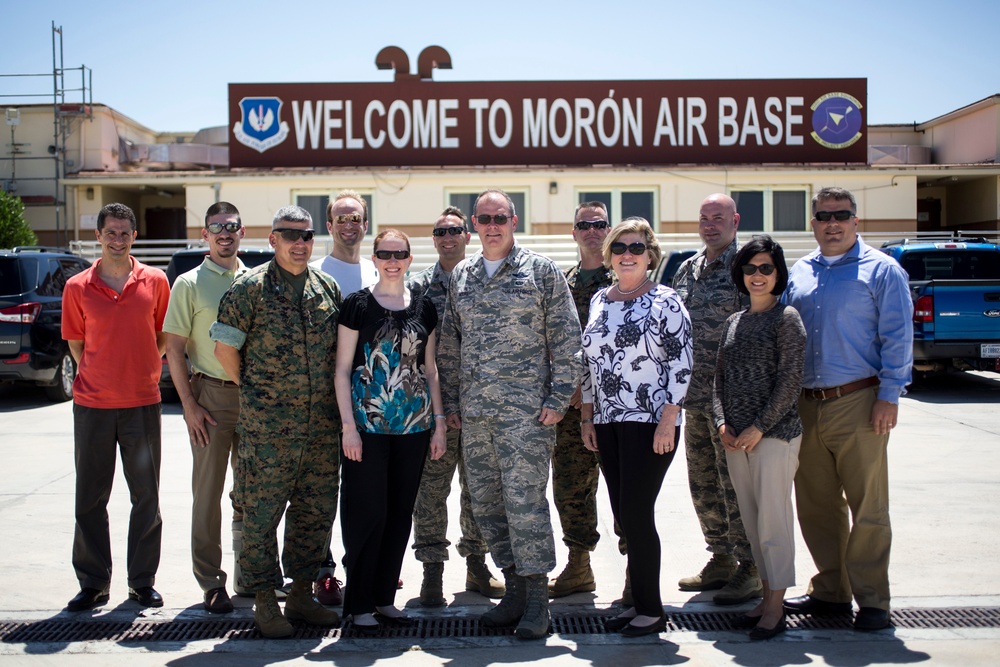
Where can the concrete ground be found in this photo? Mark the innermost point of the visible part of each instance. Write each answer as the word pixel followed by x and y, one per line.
pixel 943 458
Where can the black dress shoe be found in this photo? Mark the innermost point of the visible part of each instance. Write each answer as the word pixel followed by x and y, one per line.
pixel 146 596
pixel 871 618
pixel 616 623
pixel 744 622
pixel 807 604
pixel 217 601
pixel 759 633
pixel 88 598
pixel 655 627
pixel 395 621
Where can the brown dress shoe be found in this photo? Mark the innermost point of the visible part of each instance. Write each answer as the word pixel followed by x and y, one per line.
pixel 217 601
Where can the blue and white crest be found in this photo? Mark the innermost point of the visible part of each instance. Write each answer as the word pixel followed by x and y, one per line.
pixel 836 120
pixel 261 127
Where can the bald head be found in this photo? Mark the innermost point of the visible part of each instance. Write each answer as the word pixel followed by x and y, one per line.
pixel 717 223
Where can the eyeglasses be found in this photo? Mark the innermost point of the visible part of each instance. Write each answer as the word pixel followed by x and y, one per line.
pixel 750 269
pixel 217 227
pixel 392 254
pixel 442 231
pixel 498 219
pixel 293 235
pixel 584 225
pixel 618 248
pixel 839 216
pixel 353 218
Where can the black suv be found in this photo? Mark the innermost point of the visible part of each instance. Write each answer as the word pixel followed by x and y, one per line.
pixel 32 349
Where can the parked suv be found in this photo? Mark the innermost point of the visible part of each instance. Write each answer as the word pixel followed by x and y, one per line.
pixel 32 350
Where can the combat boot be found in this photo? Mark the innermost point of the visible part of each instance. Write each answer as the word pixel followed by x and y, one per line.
pixel 300 605
pixel 536 622
pixel 576 577
pixel 716 574
pixel 479 579
pixel 511 607
pixel 627 600
pixel 432 587
pixel 267 616
pixel 745 584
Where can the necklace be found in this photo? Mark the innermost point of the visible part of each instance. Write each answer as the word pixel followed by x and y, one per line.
pixel 632 291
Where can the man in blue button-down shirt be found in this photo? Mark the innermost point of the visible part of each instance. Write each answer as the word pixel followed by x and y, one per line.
pixel 856 308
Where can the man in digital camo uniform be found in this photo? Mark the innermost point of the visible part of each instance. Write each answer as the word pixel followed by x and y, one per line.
pixel 276 333
pixel 430 513
pixel 575 470
pixel 509 359
pixel 705 284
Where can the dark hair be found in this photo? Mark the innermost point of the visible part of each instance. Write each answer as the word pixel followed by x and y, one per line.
pixel 590 204
pixel 119 211
pixel 836 194
pixel 755 246
pixel 222 207
pixel 455 211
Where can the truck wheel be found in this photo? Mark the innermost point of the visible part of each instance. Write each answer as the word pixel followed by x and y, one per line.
pixel 62 390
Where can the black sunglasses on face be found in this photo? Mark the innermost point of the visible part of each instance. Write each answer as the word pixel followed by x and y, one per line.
pixel 839 216
pixel 584 225
pixel 388 254
pixel 618 248
pixel 217 227
pixel 293 235
pixel 442 231
pixel 498 219
pixel 750 269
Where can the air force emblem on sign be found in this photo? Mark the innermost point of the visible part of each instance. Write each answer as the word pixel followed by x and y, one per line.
pixel 261 127
pixel 836 120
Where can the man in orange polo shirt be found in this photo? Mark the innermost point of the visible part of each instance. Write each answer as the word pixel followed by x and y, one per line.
pixel 112 319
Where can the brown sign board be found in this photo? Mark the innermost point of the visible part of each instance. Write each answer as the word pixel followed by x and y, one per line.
pixel 411 123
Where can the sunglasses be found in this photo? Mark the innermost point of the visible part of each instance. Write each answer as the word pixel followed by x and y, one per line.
pixel 839 216
pixel 217 227
pixel 584 225
pixel 750 269
pixel 392 254
pixel 353 218
pixel 498 219
pixel 443 231
pixel 293 235
pixel 618 248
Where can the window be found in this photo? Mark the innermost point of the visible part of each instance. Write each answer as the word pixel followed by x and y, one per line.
pixel 316 205
pixel 624 203
pixel 466 200
pixel 772 209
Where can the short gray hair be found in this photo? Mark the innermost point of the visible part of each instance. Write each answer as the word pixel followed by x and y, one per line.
pixel 291 214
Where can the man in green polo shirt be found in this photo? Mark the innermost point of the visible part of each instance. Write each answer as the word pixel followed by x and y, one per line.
pixel 211 399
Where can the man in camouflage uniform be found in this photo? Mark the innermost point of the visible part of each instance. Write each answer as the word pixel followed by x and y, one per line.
pixel 430 513
pixel 276 333
pixel 509 349
pixel 705 284
pixel 575 470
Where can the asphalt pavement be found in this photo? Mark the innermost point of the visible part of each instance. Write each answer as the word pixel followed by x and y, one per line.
pixel 943 456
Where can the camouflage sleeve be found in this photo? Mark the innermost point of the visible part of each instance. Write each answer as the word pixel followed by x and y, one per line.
pixel 564 338
pixel 449 353
pixel 235 316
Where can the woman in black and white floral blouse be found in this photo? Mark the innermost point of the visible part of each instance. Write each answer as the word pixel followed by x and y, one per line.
pixel 637 344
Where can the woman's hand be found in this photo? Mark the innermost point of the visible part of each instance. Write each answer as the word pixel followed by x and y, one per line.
pixel 589 436
pixel 350 444
pixel 728 439
pixel 663 439
pixel 438 441
pixel 748 439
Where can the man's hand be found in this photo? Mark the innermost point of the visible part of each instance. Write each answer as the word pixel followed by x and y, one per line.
pixel 195 417
pixel 576 400
pixel 884 415
pixel 454 420
pixel 550 417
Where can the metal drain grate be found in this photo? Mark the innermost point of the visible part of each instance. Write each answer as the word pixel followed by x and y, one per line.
pixel 61 631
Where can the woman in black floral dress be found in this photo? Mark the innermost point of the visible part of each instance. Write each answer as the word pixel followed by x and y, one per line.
pixel 637 344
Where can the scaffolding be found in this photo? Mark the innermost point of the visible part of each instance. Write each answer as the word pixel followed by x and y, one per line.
pixel 64 112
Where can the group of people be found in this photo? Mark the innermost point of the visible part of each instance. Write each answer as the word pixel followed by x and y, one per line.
pixel 348 379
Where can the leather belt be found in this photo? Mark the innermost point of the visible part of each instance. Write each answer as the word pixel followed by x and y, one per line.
pixel 216 381
pixel 842 390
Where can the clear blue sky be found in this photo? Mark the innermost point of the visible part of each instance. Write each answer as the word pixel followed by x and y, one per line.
pixel 167 64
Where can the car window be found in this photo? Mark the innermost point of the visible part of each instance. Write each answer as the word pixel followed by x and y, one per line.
pixel 53 280
pixel 10 276
pixel 954 265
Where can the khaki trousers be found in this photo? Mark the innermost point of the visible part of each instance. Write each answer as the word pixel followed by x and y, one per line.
pixel 842 494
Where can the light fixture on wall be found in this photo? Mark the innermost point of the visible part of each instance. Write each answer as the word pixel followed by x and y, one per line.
pixel 164 194
pixel 90 194
pixel 553 188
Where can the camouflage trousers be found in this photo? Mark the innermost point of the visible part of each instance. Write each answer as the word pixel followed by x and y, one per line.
pixel 507 463
pixel 575 472
pixel 430 513
pixel 711 488
pixel 304 477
